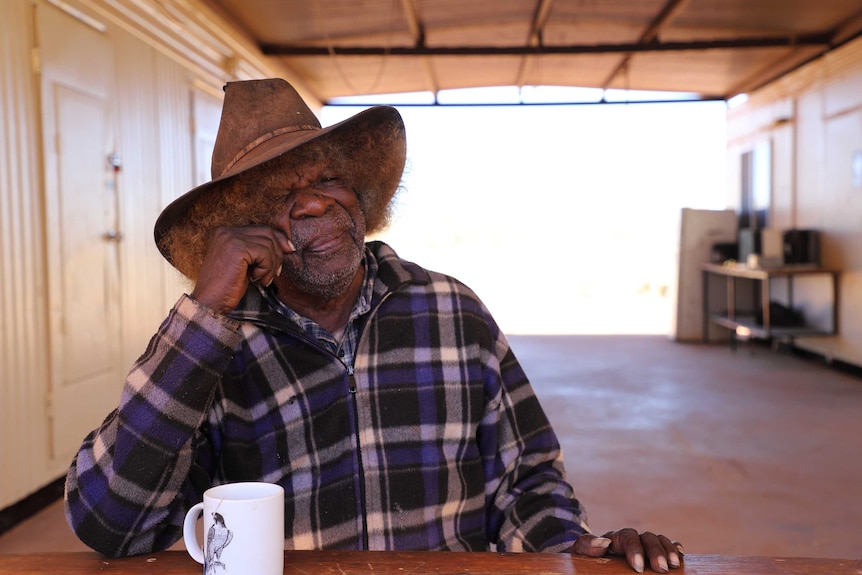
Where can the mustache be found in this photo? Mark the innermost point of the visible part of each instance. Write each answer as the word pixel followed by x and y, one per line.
pixel 304 231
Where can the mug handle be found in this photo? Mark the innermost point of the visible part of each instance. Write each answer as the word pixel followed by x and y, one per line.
pixel 190 535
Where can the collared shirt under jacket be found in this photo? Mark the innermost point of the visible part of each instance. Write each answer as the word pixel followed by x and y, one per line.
pixel 432 440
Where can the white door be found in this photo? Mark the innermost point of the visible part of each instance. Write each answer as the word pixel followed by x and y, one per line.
pixel 77 73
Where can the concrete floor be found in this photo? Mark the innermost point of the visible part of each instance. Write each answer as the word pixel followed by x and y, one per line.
pixel 755 452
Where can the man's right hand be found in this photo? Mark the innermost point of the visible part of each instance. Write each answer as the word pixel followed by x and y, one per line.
pixel 235 257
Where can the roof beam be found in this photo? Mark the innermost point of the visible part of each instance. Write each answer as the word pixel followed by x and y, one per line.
pixel 537 26
pixel 417 30
pixel 664 17
pixel 723 44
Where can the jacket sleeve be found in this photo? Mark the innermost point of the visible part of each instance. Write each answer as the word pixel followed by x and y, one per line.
pixel 134 477
pixel 531 505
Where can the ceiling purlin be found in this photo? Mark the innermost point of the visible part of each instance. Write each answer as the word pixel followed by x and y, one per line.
pixel 670 10
pixel 537 26
pixel 721 44
pixel 417 30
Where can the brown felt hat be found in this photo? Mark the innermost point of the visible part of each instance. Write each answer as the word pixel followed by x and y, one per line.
pixel 264 119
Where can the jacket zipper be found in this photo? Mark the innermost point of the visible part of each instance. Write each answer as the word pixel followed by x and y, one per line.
pixel 351 381
pixel 351 386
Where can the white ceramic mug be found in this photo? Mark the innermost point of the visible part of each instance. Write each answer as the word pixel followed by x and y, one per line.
pixel 243 529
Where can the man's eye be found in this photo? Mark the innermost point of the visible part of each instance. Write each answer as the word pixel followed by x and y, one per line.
pixel 331 182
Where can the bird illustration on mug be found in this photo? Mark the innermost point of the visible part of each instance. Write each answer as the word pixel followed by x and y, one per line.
pixel 218 537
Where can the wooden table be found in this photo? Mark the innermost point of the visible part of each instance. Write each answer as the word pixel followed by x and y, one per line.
pixel 423 563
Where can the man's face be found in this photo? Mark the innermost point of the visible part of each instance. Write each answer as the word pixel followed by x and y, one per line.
pixel 316 208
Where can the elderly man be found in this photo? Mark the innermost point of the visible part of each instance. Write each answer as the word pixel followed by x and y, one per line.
pixel 383 397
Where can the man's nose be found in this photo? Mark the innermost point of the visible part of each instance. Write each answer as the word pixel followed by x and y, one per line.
pixel 309 203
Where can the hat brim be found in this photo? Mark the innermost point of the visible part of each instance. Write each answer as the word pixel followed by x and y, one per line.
pixel 379 119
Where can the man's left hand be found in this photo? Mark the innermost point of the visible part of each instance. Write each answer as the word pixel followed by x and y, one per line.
pixel 662 553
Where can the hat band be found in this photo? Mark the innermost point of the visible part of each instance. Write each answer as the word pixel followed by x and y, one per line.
pixel 262 139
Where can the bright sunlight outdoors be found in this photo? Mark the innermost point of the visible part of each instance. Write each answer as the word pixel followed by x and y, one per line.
pixel 563 218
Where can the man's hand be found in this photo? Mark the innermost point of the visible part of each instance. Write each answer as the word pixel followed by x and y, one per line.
pixel 661 551
pixel 235 257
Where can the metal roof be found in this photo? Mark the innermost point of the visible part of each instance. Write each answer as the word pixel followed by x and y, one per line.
pixel 714 48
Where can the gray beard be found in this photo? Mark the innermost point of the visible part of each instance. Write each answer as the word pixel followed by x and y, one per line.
pixel 323 280
pixel 327 284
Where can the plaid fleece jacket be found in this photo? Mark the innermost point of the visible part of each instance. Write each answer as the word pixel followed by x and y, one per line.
pixel 432 440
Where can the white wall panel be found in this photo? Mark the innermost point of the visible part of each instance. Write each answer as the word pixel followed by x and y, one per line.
pixel 140 119
pixel 814 168
pixel 176 158
pixel 23 368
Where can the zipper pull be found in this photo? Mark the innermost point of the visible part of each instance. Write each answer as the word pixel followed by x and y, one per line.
pixel 351 380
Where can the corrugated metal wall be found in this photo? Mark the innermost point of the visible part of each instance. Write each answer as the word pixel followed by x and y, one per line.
pixel 154 139
pixel 23 338
pixel 160 71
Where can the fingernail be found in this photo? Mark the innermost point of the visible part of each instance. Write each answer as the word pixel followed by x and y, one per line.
pixel 638 563
pixel 269 283
pixel 680 548
pixel 673 558
pixel 278 271
pixel 291 246
pixel 600 542
pixel 662 564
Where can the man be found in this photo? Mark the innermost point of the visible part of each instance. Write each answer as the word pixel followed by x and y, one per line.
pixel 381 396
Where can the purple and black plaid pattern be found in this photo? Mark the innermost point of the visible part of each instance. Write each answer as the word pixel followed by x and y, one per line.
pixel 432 439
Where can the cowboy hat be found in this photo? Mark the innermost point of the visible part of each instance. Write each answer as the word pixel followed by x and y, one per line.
pixel 265 119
